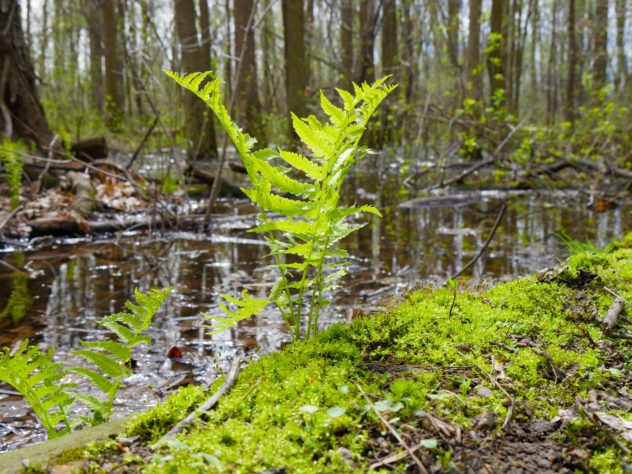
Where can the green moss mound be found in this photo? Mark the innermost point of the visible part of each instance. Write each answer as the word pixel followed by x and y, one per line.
pixel 519 376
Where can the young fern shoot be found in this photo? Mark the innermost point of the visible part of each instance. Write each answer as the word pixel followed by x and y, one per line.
pixel 301 218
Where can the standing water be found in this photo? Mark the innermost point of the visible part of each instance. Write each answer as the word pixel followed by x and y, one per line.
pixel 66 286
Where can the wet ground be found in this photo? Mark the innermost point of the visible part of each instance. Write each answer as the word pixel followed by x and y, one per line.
pixel 66 286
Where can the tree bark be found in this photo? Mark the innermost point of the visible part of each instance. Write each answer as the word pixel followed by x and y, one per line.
pixel 95 36
pixel 389 38
pixel 622 66
pixel 247 104
pixel 199 130
pixel 346 41
pixel 21 112
pixel 473 60
pixel 295 61
pixel 454 9
pixel 365 68
pixel 494 59
pixel 600 43
pixel 572 73
pixel 113 92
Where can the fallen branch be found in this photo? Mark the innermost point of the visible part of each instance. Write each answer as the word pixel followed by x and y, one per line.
pixel 612 316
pixel 409 450
pixel 394 457
pixel 231 378
pixel 485 245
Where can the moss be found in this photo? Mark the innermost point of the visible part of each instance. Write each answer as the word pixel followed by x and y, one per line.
pixel 297 408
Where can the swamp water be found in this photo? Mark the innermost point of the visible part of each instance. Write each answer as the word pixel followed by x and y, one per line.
pixel 66 286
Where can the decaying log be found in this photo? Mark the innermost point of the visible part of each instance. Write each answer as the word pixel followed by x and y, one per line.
pixel 57 227
pixel 227 189
pixel 90 149
pixel 612 316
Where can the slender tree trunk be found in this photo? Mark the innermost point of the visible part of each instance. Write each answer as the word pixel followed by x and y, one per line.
pixel 95 35
pixel 247 102
pixel 454 9
pixel 43 41
pixel 295 60
pixel 346 40
pixel 533 69
pixel 199 129
pixel 622 66
pixel 389 38
pixel 473 60
pixel 551 93
pixel 600 42
pixel 113 94
pixel 572 73
pixel 494 58
pixel 365 68
pixel 229 50
pixel 21 112
pixel 509 53
pixel 268 59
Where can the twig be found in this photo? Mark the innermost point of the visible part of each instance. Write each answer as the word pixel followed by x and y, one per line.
pixel 548 357
pixel 38 181
pixel 231 378
pixel 9 216
pixel 250 391
pixel 142 142
pixel 504 346
pixel 394 458
pixel 605 428
pixel 410 452
pixel 495 382
pixel 485 245
pixel 614 311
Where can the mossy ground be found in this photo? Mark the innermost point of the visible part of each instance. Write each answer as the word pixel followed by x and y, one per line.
pixel 494 380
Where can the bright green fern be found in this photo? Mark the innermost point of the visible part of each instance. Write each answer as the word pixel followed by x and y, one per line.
pixel 11 154
pixel 112 358
pixel 303 239
pixel 33 374
pixel 38 379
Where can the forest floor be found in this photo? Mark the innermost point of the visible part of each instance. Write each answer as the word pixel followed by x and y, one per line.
pixel 534 375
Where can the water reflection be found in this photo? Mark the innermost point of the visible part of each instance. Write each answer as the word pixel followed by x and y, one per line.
pixel 57 293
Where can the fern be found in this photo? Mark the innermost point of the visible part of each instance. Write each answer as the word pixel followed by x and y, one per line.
pixel 112 358
pixel 312 221
pixel 11 154
pixel 33 374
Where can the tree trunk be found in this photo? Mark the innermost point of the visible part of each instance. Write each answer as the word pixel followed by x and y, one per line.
pixel 247 105
pixel 21 113
pixel 389 38
pixel 346 41
pixel 95 35
pixel 622 66
pixel 494 58
pixel 572 73
pixel 295 61
pixel 199 130
pixel 551 103
pixel 365 68
pixel 113 93
pixel 454 9
pixel 473 59
pixel 600 43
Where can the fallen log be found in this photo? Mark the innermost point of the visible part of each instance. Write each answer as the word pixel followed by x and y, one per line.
pixel 90 149
pixel 226 189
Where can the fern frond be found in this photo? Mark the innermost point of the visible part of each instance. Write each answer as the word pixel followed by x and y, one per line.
pixel 33 374
pixel 98 380
pixel 106 364
pixel 122 352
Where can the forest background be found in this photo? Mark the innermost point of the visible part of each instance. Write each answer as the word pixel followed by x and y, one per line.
pixel 543 79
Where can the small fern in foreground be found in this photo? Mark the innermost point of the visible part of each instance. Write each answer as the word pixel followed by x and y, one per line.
pixel 303 241
pixel 11 154
pixel 32 372
pixel 112 358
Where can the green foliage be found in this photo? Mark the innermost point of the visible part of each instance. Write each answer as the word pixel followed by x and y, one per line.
pixel 11 154
pixel 20 298
pixel 303 240
pixel 112 358
pixel 32 372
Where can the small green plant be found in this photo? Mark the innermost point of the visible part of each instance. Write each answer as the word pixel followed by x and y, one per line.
pixel 303 240
pixel 32 372
pixel 112 358
pixel 576 247
pixel 11 153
